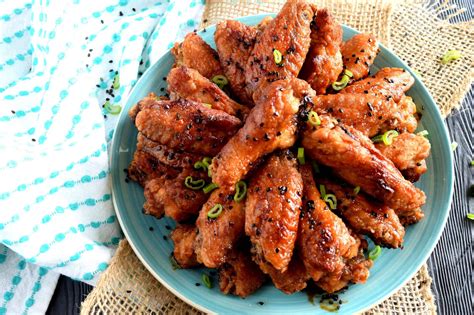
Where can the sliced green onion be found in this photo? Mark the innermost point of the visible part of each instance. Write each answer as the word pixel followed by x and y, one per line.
pixel 194 184
pixel 206 280
pixel 210 188
pixel 204 164
pixel 300 156
pixel 386 138
pixel 313 118
pixel 423 133
pixel 174 263
pixel 375 253
pixel 220 80
pixel 454 145
pixel 348 73
pixel 207 105
pixel 356 190
pixel 470 216
pixel 331 200
pixel 112 109
pixel 215 211
pixel 315 167
pixel 277 56
pixel 322 191
pixel 199 165
pixel 472 163
pixel 207 161
pixel 116 83
pixel 339 85
pixel 450 55
pixel 240 191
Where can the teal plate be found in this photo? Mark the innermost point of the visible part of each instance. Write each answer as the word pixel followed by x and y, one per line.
pixel 391 270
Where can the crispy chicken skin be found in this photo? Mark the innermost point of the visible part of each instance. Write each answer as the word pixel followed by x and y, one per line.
pixel 183 238
pixel 359 53
pixel 368 113
pixel 324 242
pixel 412 217
pixel 185 125
pixel 408 152
pixel 354 158
pixel 270 125
pixel 189 84
pixel 292 280
pixel 388 82
pixel 289 33
pixel 323 63
pixel 196 54
pixel 365 215
pixel 217 236
pixel 151 206
pixel 239 275
pixel 272 209
pixel 234 42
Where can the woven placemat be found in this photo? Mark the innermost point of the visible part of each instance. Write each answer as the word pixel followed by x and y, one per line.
pixel 416 34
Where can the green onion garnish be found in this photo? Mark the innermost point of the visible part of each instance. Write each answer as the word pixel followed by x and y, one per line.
pixel 277 56
pixel 207 105
pixel 210 188
pixel 346 77
pixel 450 55
pixel 454 145
pixel 470 216
pixel 423 133
pixel 375 253
pixel 112 109
pixel 472 163
pixel 215 211
pixel 315 167
pixel 300 156
pixel 174 263
pixel 194 184
pixel 322 191
pixel 356 190
pixel 204 164
pixel 331 200
pixel 220 80
pixel 206 280
pixel 240 191
pixel 313 118
pixel 116 83
pixel 386 138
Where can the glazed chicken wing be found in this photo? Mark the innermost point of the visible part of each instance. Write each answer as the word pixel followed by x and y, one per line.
pixel 388 82
pixel 183 238
pixel 368 113
pixel 145 167
pixel 272 210
pixel 324 241
pixel 217 236
pixel 355 159
pixel 287 34
pixel 365 215
pixel 185 125
pixel 359 53
pixel 290 281
pixel 408 152
pixel 196 54
pixel 189 84
pixel 323 63
pixel 270 125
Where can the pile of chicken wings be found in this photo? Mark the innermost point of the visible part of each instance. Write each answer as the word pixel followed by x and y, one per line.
pixel 264 153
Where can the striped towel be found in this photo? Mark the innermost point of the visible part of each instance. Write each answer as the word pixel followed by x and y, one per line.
pixel 66 67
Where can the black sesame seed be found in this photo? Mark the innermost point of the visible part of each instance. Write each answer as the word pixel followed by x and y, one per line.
pixel 110 61
pixel 34 140
pixel 151 229
pixel 260 303
pixel 13 112
pixel 165 237
pixel 121 13
pixel 197 284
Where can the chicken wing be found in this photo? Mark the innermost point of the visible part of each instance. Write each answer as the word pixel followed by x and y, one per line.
pixel 272 209
pixel 189 84
pixel 408 152
pixel 183 238
pixel 270 125
pixel 185 125
pixel 355 159
pixel 323 63
pixel 290 281
pixel 368 113
pixel 359 53
pixel 217 236
pixel 388 82
pixel 365 215
pixel 324 241
pixel 240 275
pixel 196 54
pixel 286 36
pixel 145 167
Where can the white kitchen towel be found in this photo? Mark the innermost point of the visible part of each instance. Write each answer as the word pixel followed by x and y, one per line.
pixel 66 67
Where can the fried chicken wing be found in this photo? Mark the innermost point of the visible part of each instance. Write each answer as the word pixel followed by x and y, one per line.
pixel 408 152
pixel 217 236
pixel 183 238
pixel 270 125
pixel 145 167
pixel 287 34
pixel 359 53
pixel 189 84
pixel 185 125
pixel 388 82
pixel 323 63
pixel 234 42
pixel 324 241
pixel 272 209
pixel 368 113
pixel 290 281
pixel 355 159
pixel 240 275
pixel 196 54
pixel 365 215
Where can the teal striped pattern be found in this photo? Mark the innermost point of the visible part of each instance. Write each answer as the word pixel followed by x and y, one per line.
pixel 58 62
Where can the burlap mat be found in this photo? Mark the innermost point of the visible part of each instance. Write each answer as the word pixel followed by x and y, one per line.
pixel 416 34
